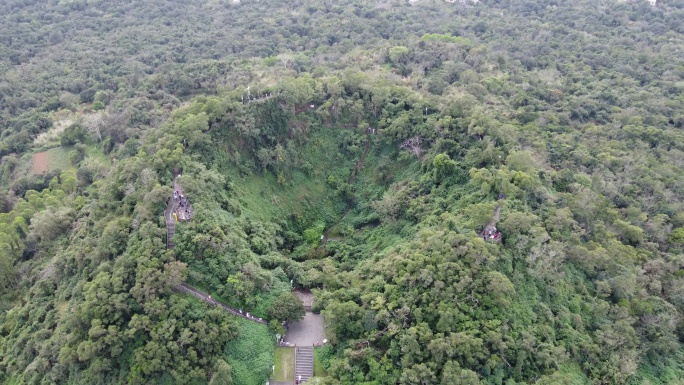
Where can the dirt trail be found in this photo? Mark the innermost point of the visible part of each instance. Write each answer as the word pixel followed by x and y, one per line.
pixel 497 215
pixel 490 232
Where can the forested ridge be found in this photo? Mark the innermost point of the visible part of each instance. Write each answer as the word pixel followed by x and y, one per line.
pixel 357 149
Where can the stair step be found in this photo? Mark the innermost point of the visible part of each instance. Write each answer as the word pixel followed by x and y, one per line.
pixel 304 362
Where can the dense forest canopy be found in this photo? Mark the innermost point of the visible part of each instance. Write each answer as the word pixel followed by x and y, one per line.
pixel 357 149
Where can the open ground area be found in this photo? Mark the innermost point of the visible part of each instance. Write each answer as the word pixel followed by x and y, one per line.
pixel 56 158
pixel 307 331
pixel 40 163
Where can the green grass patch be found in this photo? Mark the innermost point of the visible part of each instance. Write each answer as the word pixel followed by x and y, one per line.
pixel 96 153
pixel 265 199
pixel 570 374
pixel 58 158
pixel 305 196
pixel 251 354
pixel 284 364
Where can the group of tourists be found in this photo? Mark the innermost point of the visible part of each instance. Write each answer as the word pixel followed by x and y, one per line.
pixel 183 200
pixel 183 209
pixel 491 234
pixel 252 98
pixel 249 316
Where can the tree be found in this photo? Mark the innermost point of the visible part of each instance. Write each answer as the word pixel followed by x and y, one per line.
pixel 454 375
pixel 7 272
pixel 398 55
pixel 344 320
pixel 677 236
pixel 49 224
pixel 222 374
pixel 287 307
pixel 73 134
pixel 313 234
pixel 444 167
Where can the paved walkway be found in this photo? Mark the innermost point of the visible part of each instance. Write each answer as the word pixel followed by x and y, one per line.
pixel 306 297
pixel 307 331
pixel 185 288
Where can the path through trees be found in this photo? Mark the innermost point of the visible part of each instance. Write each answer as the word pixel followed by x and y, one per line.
pixel 179 208
pixel 490 233
pixel 185 288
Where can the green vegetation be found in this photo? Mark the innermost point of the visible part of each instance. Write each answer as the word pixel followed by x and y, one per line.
pixel 59 158
pixel 321 360
pixel 250 355
pixel 284 364
pixel 378 141
pixel 437 37
pixel 286 307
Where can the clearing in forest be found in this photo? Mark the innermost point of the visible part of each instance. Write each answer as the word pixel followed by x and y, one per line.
pixel 40 163
pixel 304 195
pixel 306 332
pixel 53 159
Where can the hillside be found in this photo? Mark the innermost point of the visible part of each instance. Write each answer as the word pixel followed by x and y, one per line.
pixel 356 149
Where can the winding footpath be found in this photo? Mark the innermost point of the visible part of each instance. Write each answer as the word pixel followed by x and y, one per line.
pixel 185 287
pixel 490 233
pixel 497 215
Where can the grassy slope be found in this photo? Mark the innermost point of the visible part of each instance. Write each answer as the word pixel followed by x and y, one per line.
pixel 251 354
pixel 304 196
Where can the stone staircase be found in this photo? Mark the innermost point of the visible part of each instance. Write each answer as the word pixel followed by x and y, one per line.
pixel 170 231
pixel 304 363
